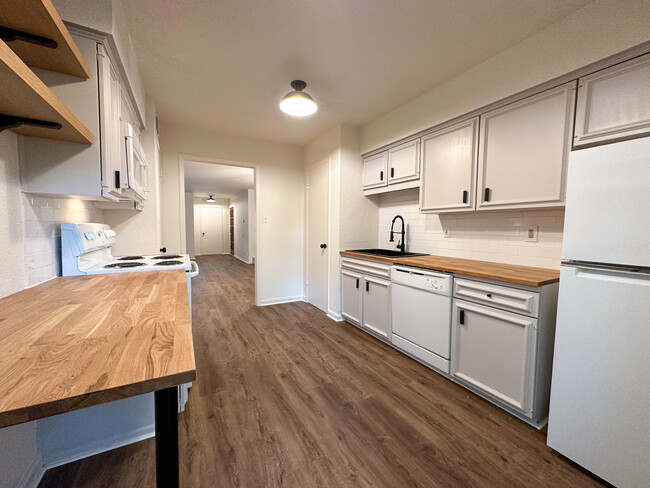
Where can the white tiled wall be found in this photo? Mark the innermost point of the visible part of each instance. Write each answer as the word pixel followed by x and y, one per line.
pixel 486 236
pixel 43 218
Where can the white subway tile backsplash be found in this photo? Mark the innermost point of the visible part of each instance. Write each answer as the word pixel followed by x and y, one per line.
pixel 486 236
pixel 43 217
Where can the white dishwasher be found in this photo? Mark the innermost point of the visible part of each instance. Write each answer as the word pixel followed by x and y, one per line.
pixel 421 314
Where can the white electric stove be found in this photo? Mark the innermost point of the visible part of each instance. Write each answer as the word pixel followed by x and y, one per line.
pixel 86 250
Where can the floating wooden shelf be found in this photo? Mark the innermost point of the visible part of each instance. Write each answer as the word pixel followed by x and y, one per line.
pixel 39 19
pixel 24 95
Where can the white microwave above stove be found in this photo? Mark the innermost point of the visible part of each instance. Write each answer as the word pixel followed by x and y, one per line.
pixel 135 170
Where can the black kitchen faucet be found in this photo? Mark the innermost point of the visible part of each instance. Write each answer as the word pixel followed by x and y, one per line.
pixel 400 244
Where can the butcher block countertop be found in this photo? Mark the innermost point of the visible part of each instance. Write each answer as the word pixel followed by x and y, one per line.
pixel 78 341
pixel 509 273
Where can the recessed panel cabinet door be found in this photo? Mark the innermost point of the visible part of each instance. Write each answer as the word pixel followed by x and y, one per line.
pixel 614 103
pixel 523 151
pixel 494 351
pixel 404 162
pixel 375 171
pixel 352 284
pixel 376 306
pixel 449 168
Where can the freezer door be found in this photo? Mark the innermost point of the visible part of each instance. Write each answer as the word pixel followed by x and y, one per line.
pixel 607 217
pixel 600 389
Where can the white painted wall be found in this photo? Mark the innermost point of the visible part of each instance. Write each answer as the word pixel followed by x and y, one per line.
pixel 279 192
pixel 601 29
pixel 239 202
pixel 252 226
pixel 486 236
pixel 352 217
pixel 139 231
pixel 189 224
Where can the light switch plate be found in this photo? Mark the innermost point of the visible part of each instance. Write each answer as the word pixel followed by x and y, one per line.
pixel 531 233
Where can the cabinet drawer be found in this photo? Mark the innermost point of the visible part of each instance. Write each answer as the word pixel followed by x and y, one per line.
pixel 367 266
pixel 503 297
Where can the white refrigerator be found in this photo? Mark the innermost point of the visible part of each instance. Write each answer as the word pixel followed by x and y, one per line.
pixel 600 391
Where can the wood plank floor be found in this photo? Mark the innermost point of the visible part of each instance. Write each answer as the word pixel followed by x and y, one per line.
pixel 285 397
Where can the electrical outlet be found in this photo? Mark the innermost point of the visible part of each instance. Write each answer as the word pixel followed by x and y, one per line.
pixel 445 233
pixel 531 233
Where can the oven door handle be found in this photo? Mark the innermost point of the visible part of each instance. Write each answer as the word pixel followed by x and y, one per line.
pixel 194 269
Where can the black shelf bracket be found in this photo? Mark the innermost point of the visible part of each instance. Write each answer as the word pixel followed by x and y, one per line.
pixel 7 34
pixel 11 121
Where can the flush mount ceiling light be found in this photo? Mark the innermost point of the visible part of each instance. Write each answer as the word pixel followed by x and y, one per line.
pixel 298 102
pixel 210 199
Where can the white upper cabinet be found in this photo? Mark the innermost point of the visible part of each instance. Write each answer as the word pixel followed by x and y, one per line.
pixel 524 148
pixel 614 103
pixel 375 171
pixel 448 178
pixel 404 162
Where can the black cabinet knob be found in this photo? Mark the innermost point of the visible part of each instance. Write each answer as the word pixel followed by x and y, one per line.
pixel 323 246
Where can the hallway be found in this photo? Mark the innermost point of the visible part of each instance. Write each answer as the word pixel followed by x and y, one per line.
pixel 286 397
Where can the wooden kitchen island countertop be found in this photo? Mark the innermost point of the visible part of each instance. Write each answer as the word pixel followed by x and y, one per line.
pixel 509 273
pixel 78 341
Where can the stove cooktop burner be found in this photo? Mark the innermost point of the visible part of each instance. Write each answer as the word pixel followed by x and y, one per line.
pixel 172 256
pixel 169 263
pixel 130 258
pixel 123 265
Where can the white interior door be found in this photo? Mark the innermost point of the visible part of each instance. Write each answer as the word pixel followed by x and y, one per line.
pixel 317 235
pixel 210 229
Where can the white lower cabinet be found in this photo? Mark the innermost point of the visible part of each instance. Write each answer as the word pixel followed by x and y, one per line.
pixel 376 306
pixel 351 284
pixel 501 355
pixel 366 295
pixel 494 351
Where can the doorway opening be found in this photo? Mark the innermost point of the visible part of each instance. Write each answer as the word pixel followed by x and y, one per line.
pixel 220 209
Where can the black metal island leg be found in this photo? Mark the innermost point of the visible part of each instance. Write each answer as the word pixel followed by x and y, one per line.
pixel 166 411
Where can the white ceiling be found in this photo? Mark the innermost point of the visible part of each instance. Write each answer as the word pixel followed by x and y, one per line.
pixel 224 65
pixel 220 181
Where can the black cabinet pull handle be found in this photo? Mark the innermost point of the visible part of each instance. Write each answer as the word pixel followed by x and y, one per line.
pixel 464 196
pixel 367 286
pixel 392 172
pixel 117 179
pixel 489 295
pixel 486 194
pixel 357 283
pixel 323 246
pixel 381 175
pixel 461 318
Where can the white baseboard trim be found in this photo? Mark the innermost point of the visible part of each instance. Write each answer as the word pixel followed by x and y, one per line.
pixel 335 316
pixel 103 445
pixel 276 301
pixel 33 475
pixel 242 259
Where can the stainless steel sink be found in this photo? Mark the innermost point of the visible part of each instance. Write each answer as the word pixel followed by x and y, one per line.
pixel 387 253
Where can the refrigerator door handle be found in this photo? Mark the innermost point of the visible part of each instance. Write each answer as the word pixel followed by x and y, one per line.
pixel 630 271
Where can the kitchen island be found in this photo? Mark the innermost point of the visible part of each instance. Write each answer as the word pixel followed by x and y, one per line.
pixel 79 341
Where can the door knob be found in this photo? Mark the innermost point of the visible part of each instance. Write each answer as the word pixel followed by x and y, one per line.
pixel 323 246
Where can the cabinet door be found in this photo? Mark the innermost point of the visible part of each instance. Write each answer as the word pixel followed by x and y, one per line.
pixel 352 284
pixel 524 148
pixel 494 352
pixel 404 162
pixel 375 171
pixel 376 306
pixel 110 100
pixel 614 103
pixel 449 168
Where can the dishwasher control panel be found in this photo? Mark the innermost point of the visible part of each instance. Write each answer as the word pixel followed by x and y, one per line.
pixel 422 279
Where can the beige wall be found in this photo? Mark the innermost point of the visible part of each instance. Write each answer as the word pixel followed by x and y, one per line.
pixel 600 29
pixel 279 187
